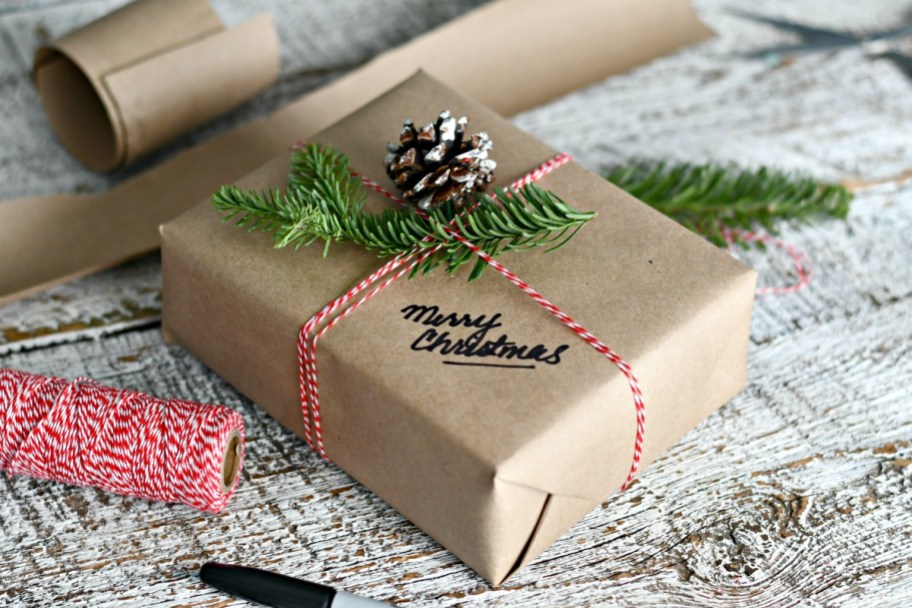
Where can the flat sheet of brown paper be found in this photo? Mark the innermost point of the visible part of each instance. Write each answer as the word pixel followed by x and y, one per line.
pixel 494 463
pixel 534 50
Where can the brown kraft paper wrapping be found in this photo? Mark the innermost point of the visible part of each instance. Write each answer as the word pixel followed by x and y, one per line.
pixel 494 463
pixel 126 84
pixel 533 51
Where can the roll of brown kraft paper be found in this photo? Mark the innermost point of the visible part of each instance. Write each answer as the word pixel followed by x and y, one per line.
pixel 130 82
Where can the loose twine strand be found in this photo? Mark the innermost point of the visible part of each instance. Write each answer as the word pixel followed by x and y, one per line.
pixel 803 266
pixel 121 441
pixel 312 331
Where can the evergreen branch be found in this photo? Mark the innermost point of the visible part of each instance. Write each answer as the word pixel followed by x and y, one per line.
pixel 324 201
pixel 710 198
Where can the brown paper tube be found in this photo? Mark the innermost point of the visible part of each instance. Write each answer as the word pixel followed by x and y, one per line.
pixel 532 51
pixel 134 80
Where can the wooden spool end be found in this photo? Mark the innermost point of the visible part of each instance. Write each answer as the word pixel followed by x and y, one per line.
pixel 231 461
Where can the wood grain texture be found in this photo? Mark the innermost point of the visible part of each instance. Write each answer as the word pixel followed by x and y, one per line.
pixel 797 493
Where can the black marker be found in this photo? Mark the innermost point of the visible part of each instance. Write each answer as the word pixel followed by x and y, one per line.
pixel 277 590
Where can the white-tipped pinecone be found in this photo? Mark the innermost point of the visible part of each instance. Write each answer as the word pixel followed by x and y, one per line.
pixel 437 163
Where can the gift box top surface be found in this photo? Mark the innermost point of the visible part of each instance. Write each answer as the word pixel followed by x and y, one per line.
pixel 494 456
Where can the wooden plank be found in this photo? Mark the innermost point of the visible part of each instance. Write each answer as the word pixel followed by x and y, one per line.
pixel 795 493
pixel 122 298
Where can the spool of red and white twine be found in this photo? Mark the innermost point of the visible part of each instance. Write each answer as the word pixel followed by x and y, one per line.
pixel 121 441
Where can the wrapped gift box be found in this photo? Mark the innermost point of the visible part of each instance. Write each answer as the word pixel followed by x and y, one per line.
pixel 493 461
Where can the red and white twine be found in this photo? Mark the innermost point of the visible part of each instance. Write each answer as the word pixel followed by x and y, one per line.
pixel 122 441
pixel 399 266
pixel 804 268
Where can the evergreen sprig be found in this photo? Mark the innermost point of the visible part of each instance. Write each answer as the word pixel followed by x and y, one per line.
pixel 324 201
pixel 710 198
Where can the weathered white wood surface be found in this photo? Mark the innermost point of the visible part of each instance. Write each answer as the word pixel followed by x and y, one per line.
pixel 797 493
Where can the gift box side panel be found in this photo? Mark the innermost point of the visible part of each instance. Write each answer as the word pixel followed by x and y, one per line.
pixel 700 384
pixel 560 514
pixel 729 376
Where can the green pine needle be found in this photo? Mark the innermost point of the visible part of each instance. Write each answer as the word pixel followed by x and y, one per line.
pixel 323 201
pixel 710 198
